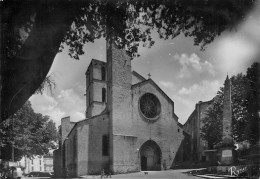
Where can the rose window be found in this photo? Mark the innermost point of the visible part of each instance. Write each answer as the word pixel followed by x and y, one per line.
pixel 150 106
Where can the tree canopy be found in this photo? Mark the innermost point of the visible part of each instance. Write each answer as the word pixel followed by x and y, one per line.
pixel 30 133
pixel 32 32
pixel 245 107
pixel 129 22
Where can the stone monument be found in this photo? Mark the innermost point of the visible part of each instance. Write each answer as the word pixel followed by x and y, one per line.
pixel 226 149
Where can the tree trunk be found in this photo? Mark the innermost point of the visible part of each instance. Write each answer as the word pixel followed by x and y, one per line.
pixel 23 71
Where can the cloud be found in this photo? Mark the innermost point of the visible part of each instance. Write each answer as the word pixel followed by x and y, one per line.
pixel 233 53
pixel 166 84
pixel 192 65
pixel 43 102
pixel 69 99
pixel 76 116
pixel 203 91
pixel 237 51
pixel 56 115
pixel 186 97
pixel 66 103
pixel 47 105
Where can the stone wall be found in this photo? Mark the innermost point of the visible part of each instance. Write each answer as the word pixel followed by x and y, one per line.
pixel 71 159
pixel 57 163
pixel 84 147
pixel 119 103
pixel 165 131
pixel 125 148
pixel 201 108
pixel 98 128
pixel 66 127
pixel 136 78
pixel 94 86
pixel 192 128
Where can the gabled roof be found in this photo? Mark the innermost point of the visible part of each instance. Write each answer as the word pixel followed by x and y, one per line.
pixel 157 87
pixel 180 125
pixel 140 77
pixel 92 61
pixel 78 122
pixel 190 117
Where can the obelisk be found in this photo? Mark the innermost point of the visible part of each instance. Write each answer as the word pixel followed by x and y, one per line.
pixel 227 147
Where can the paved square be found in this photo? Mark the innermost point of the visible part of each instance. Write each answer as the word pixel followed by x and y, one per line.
pixel 171 174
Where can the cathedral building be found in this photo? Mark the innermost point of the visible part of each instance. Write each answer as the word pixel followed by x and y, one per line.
pixel 130 123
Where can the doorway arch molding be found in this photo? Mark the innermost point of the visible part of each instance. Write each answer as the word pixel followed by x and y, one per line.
pixel 150 156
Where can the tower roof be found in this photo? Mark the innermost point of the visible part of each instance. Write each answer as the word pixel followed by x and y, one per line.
pixel 227 80
pixel 227 77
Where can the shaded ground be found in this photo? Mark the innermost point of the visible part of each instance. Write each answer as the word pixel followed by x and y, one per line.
pixel 171 174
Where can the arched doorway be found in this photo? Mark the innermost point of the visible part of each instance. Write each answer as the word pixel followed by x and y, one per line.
pixel 150 156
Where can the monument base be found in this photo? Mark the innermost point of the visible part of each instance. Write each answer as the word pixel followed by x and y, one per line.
pixel 226 155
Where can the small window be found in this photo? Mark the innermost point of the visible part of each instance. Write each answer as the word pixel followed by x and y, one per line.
pixel 89 98
pixel 88 80
pixel 32 161
pixel 103 73
pixel 203 158
pixel 105 145
pixel 103 95
pixel 40 162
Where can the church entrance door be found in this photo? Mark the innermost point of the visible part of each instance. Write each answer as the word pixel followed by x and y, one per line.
pixel 143 163
pixel 150 156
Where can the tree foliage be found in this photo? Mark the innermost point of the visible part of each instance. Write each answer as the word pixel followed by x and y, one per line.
pixel 129 22
pixel 33 31
pixel 245 108
pixel 47 84
pixel 211 130
pixel 253 104
pixel 30 133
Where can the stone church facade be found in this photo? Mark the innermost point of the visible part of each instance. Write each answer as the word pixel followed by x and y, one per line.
pixel 130 123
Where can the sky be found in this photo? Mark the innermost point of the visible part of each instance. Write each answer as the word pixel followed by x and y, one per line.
pixel 184 72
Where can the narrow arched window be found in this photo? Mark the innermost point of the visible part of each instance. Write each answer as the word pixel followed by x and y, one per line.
pixel 103 95
pixel 103 73
pixel 89 98
pixel 105 145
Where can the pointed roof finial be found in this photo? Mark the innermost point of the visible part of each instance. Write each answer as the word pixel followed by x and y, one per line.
pixel 227 77
pixel 149 75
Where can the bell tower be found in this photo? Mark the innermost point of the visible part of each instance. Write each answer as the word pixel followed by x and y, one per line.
pixel 119 82
pixel 96 88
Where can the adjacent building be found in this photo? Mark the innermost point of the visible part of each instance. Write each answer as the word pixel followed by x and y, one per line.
pixel 130 123
pixel 37 163
pixel 194 146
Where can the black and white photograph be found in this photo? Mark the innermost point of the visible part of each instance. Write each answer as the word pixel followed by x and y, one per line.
pixel 130 89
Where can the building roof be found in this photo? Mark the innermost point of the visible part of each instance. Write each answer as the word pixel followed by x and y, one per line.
pixel 138 76
pixel 104 112
pixel 190 117
pixel 194 111
pixel 158 88
pixel 180 125
pixel 92 61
